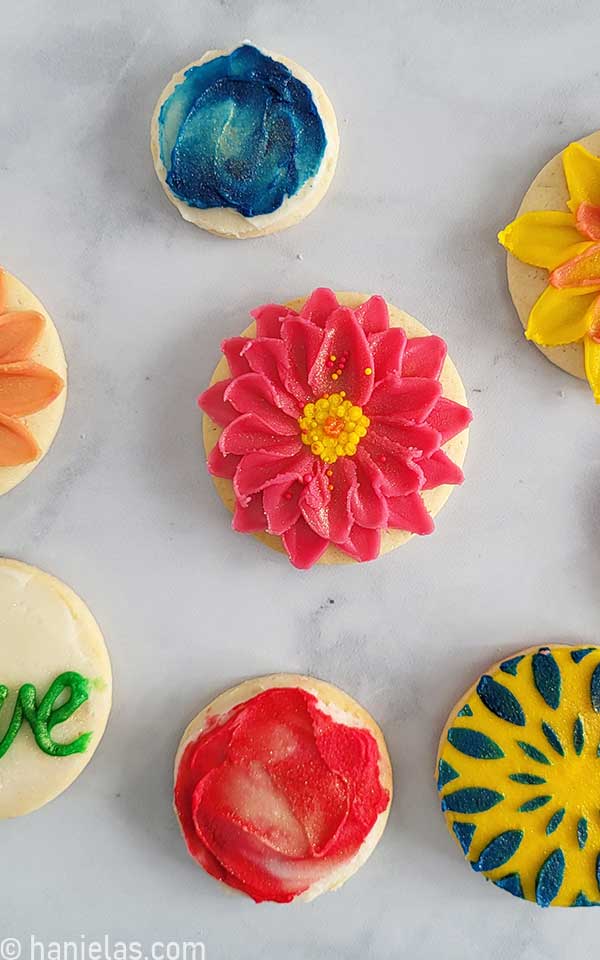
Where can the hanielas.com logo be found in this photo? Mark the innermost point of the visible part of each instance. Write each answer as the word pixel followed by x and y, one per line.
pixel 82 948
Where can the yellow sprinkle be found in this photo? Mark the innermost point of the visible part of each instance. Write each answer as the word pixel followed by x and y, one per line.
pixel 331 486
pixel 355 413
pixel 317 448
pixel 304 437
pixel 342 393
pixel 353 438
pixel 330 473
pixel 334 376
pixel 368 371
pixel 333 358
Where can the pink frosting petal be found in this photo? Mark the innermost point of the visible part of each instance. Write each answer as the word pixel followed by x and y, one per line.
pixel 411 398
pixel 257 470
pixel 252 393
pixel 344 338
pixel 373 315
pixel 424 357
pixel 281 505
pixel 369 505
pixel 362 544
pixel 220 465
pixel 321 303
pixel 400 475
pixel 269 358
pixel 268 319
pixel 439 469
pixel 388 350
pixel 302 341
pixel 449 418
pixel 214 405
pixel 303 545
pixel 409 513
pixel 233 348
pixel 329 512
pixel 248 434
pixel 419 440
pixel 250 518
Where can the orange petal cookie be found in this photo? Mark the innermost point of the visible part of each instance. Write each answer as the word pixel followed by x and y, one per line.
pixel 32 381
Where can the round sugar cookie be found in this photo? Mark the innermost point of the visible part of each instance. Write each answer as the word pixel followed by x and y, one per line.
pixel 244 142
pixel 33 381
pixel 517 772
pixel 526 283
pixel 283 786
pixel 426 365
pixel 55 688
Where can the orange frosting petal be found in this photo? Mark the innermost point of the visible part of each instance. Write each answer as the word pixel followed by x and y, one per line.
pixel 587 220
pixel 26 387
pixel 20 330
pixel 580 271
pixel 17 445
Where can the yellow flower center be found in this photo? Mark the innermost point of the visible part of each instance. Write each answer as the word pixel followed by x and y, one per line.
pixel 333 427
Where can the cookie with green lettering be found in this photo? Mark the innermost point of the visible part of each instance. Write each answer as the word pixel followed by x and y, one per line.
pixel 55 688
pixel 518 772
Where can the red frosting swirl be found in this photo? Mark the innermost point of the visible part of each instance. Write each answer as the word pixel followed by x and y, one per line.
pixel 275 795
pixel 275 452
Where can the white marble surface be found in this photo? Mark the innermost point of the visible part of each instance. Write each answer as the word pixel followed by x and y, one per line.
pixel 446 111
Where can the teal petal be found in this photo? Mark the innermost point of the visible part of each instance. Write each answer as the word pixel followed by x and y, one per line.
pixel 465 712
pixel 446 773
pixel 550 878
pixel 474 744
pixel 500 701
pixel 529 778
pixel 578 736
pixel 546 676
pixel 595 689
pixel 471 800
pixel 498 851
pixel 582 901
pixel 464 834
pixel 555 821
pixel 578 655
pixel 533 752
pixel 552 738
pixel 535 803
pixel 582 832
pixel 510 666
pixel 598 871
pixel 511 883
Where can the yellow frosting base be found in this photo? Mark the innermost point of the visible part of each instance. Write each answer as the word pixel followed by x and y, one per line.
pixel 569 782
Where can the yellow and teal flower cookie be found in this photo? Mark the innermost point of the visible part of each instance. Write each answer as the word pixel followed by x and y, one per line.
pixel 518 773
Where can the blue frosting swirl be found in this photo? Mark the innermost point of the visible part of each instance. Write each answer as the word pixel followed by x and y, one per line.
pixel 240 131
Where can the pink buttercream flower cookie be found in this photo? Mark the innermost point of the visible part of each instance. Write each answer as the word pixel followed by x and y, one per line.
pixel 335 427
